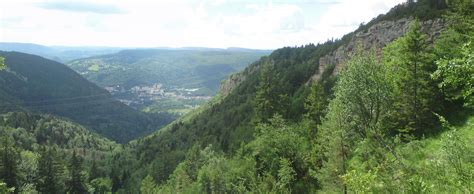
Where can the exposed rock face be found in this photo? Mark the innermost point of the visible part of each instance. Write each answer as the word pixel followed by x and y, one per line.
pixel 234 80
pixel 377 36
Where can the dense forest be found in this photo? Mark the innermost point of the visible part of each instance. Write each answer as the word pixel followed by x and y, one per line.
pixel 397 119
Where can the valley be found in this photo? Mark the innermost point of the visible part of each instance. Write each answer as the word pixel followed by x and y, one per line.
pixel 172 81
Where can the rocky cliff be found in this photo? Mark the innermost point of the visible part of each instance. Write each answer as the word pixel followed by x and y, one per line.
pixel 235 79
pixel 376 36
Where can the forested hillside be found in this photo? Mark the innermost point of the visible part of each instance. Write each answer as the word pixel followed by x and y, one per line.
pixel 388 121
pixel 50 155
pixel 32 83
pixel 385 109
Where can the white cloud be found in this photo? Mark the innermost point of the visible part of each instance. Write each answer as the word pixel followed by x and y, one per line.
pixel 346 16
pixel 179 23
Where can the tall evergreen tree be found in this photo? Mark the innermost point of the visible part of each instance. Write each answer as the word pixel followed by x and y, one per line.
pixel 76 178
pixel 116 182
pixel 412 62
pixel 316 103
pixel 94 171
pixel 9 163
pixel 50 172
pixel 269 100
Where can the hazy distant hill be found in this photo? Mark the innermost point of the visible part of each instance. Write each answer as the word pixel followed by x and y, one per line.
pixel 37 84
pixel 58 53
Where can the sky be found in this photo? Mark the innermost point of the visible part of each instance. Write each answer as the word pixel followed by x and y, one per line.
pixel 258 24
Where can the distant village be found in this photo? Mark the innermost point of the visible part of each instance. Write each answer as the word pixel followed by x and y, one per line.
pixel 139 95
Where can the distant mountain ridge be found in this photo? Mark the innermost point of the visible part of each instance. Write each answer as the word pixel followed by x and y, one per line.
pixel 57 53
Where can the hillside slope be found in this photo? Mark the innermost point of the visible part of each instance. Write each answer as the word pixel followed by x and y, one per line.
pixel 231 121
pixel 38 151
pixel 40 85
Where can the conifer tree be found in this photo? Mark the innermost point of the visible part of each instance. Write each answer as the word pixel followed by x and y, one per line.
pixel 50 172
pixel 316 103
pixel 94 171
pixel 76 178
pixel 269 100
pixel 411 61
pixel 9 163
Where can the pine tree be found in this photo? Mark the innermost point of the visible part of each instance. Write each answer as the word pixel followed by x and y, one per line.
pixel 9 163
pixel 116 182
pixel 148 185
pixel 50 172
pixel 269 100
pixel 94 171
pixel 316 103
pixel 412 63
pixel 76 178
pixel 265 106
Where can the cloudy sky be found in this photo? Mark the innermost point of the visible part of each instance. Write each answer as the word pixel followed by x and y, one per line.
pixel 264 24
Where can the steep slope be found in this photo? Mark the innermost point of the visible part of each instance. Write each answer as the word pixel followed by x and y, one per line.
pixel 40 85
pixel 40 148
pixel 376 36
pixel 32 130
pixel 229 121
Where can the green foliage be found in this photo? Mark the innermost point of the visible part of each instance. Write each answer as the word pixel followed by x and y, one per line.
pixel 268 100
pixel 458 156
pixel 361 125
pixel 364 91
pixel 101 185
pixel 316 103
pixel 362 99
pixel 10 158
pixel 286 174
pixel 456 75
pixel 76 177
pixel 4 189
pixel 148 185
pixel 411 61
pixel 40 142
pixel 454 50
pixel 31 130
pixel 50 175
pixel 360 182
pixel 338 135
pixel 2 63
